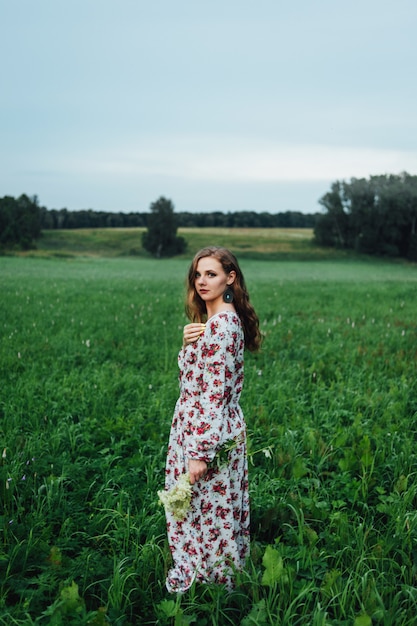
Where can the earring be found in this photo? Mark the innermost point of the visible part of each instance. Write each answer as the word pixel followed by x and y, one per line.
pixel 228 296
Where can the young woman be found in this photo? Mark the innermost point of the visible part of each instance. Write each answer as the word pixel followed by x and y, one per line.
pixel 212 540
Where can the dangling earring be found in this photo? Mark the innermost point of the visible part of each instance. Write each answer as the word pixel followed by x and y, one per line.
pixel 228 296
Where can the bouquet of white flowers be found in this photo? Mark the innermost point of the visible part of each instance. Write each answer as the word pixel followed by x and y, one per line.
pixel 177 500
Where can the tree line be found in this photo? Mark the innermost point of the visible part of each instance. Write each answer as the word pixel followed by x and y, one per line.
pixel 22 221
pixel 87 218
pixel 374 216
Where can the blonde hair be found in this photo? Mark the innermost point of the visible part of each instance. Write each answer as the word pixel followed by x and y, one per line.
pixel 195 307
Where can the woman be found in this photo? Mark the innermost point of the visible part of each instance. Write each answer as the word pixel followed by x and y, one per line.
pixel 212 540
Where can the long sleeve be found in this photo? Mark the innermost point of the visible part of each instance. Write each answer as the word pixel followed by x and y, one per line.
pixel 207 426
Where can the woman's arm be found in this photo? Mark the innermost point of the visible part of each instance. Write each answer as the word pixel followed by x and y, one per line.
pixel 214 371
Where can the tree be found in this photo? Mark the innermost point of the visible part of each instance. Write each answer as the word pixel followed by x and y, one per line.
pixel 375 216
pixel 332 228
pixel 161 237
pixel 20 221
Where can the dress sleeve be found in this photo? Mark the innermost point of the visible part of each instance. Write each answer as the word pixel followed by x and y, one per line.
pixel 215 371
pixel 181 358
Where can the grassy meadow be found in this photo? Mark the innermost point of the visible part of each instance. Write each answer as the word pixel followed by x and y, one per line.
pixel 262 243
pixel 88 385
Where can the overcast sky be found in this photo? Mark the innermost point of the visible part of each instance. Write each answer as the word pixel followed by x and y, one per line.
pixel 220 106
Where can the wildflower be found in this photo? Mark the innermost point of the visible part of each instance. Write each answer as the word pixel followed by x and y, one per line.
pixel 3 456
pixel 87 343
pixel 177 500
pixel 267 452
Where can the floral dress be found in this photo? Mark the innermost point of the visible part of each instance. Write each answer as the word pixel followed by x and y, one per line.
pixel 213 539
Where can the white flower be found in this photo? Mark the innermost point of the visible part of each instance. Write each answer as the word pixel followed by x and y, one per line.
pixel 87 343
pixel 267 452
pixel 177 500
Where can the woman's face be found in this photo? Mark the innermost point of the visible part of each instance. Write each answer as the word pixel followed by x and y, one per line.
pixel 211 280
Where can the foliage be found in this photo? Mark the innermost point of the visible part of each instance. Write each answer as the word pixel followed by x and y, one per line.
pixel 20 222
pixel 161 237
pixel 375 216
pixel 89 382
pixel 87 218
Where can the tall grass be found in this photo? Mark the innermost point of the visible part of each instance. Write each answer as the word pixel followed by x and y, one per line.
pixel 88 386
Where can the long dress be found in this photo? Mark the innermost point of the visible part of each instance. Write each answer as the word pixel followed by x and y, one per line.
pixel 213 540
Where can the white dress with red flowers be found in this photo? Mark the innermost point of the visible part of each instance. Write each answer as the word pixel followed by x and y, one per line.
pixel 213 540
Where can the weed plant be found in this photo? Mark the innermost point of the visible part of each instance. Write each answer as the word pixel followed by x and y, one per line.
pixel 88 386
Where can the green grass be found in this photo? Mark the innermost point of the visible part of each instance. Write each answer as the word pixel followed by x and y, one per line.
pixel 253 243
pixel 88 386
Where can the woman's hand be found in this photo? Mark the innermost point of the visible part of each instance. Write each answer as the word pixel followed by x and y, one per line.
pixel 192 332
pixel 197 470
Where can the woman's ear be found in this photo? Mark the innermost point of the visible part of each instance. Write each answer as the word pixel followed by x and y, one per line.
pixel 231 278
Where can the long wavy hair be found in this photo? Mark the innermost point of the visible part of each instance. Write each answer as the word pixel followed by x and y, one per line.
pixel 196 309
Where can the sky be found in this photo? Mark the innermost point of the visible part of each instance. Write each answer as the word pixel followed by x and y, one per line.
pixel 227 105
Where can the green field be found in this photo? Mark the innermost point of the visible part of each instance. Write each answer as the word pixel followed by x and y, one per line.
pixel 262 243
pixel 88 386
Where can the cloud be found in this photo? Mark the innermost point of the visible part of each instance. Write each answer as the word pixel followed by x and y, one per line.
pixel 210 159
